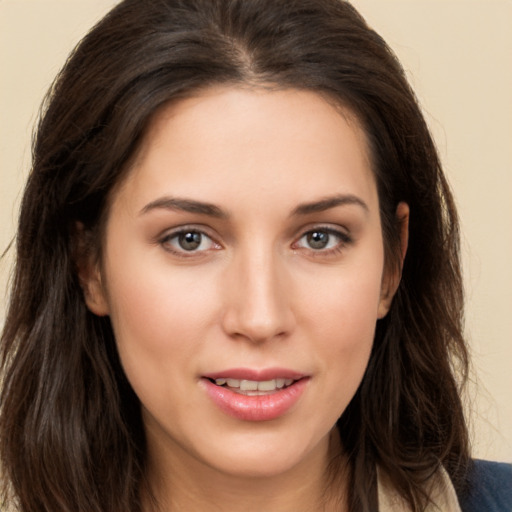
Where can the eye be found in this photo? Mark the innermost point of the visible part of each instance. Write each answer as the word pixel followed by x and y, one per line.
pixel 188 241
pixel 323 239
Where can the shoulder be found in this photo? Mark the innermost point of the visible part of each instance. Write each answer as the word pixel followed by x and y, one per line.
pixel 489 487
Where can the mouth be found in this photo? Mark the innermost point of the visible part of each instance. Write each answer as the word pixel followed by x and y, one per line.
pixel 253 387
pixel 255 395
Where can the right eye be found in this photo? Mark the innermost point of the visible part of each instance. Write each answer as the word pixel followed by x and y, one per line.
pixel 188 242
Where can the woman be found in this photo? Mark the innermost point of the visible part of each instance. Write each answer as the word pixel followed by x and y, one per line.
pixel 237 283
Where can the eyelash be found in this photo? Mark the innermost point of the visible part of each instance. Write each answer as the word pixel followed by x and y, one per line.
pixel 343 241
pixel 165 241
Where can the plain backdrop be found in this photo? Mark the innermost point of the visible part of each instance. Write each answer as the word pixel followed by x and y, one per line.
pixel 458 57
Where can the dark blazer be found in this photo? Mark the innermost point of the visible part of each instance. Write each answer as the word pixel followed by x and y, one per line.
pixel 489 488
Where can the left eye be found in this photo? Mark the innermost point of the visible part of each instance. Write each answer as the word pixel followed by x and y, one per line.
pixel 188 241
pixel 320 239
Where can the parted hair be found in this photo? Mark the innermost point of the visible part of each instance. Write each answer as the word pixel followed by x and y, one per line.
pixel 71 434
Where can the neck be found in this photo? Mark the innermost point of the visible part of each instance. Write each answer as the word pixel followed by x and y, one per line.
pixel 317 484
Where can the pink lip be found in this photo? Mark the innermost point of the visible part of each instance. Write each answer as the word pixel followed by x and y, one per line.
pixel 252 374
pixel 259 407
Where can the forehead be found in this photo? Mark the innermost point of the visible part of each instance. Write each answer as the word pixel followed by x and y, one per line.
pixel 251 140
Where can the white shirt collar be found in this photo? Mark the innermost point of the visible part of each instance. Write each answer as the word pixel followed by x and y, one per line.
pixel 439 488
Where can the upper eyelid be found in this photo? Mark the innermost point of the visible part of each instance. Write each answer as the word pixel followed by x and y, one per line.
pixel 163 239
pixel 333 232
pixel 167 236
pixel 334 229
pixel 199 228
pixel 345 239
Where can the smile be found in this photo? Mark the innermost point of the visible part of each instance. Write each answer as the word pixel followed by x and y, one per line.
pixel 250 395
pixel 253 387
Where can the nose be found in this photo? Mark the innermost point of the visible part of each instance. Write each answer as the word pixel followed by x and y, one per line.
pixel 258 298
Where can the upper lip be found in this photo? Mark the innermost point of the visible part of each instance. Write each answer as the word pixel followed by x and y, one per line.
pixel 256 374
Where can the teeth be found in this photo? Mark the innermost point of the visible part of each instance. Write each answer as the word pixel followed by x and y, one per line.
pixel 267 385
pixel 254 385
pixel 248 385
pixel 280 383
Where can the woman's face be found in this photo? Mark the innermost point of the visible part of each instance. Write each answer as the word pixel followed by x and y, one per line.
pixel 243 271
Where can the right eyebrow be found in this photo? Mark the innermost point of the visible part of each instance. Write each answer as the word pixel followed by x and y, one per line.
pixel 185 205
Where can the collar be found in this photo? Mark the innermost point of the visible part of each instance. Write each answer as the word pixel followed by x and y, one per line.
pixel 439 488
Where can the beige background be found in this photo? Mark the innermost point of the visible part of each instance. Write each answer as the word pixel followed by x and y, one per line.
pixel 458 56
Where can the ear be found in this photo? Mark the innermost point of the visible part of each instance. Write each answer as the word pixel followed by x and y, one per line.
pixel 89 273
pixel 393 274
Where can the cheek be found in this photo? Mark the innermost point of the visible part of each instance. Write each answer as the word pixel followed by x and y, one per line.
pixel 344 302
pixel 346 337
pixel 342 317
pixel 159 317
pixel 346 350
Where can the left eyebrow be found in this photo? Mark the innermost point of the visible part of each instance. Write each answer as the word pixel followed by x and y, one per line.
pixel 330 202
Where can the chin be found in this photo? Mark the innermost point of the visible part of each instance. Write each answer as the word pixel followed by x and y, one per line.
pixel 267 456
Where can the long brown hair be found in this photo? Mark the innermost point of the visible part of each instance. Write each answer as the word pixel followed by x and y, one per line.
pixel 71 435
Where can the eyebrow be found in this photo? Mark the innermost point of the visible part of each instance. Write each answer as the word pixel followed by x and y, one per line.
pixel 330 202
pixel 211 210
pixel 185 205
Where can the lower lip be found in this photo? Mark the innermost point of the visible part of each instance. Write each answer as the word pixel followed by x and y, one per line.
pixel 259 407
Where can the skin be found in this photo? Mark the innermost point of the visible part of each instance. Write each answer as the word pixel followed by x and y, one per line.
pixel 256 293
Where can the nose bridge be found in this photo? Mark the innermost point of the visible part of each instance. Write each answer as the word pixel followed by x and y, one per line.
pixel 258 306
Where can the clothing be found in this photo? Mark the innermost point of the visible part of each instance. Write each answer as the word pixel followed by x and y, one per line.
pixel 489 489
pixel 440 489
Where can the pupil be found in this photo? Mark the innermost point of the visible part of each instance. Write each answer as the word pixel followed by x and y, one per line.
pixel 318 239
pixel 190 241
